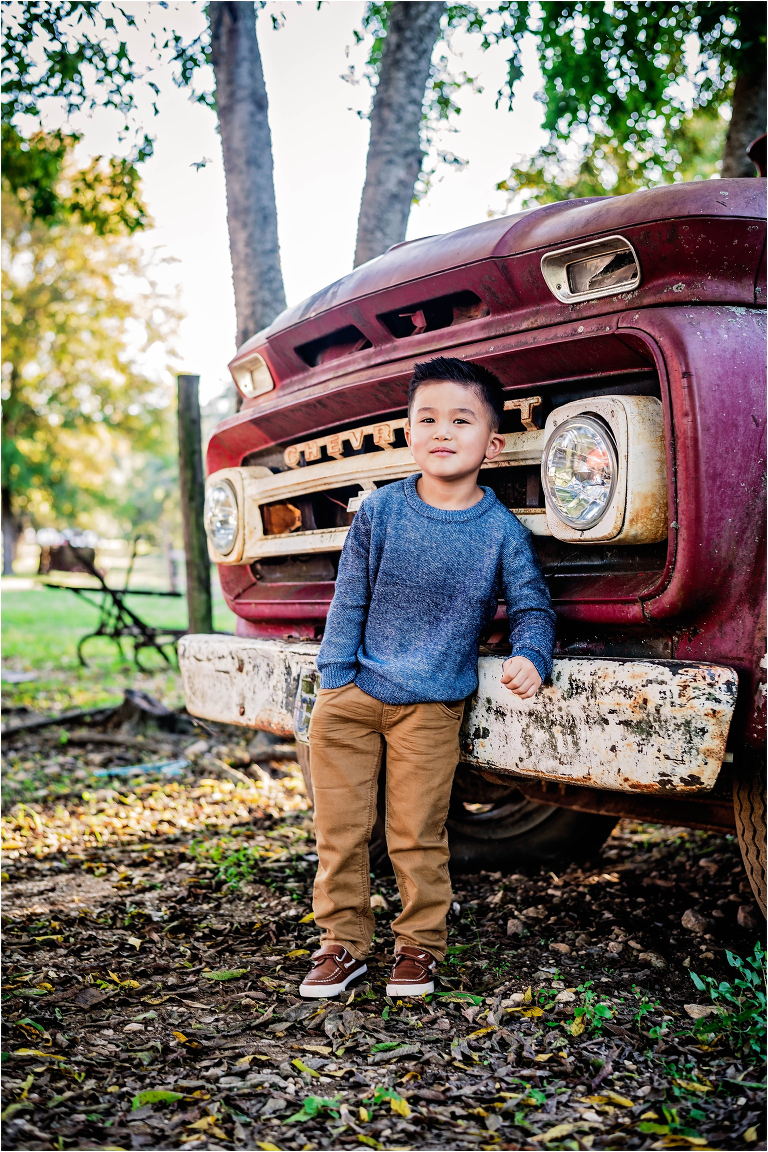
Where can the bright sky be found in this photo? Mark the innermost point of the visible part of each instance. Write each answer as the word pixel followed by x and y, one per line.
pixel 319 144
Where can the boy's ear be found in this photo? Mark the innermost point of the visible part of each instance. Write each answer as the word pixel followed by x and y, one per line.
pixel 407 431
pixel 496 445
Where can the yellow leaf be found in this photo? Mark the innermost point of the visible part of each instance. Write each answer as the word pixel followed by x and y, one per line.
pixel 135 941
pixel 533 1012
pixel 267 1147
pixel 48 987
pixel 480 1032
pixel 693 1085
pixel 400 1106
pixel 528 996
pixel 218 1132
pixel 750 1135
pixel 114 976
pixel 321 1049
pixel 649 1116
pixel 365 1115
pixel 577 1027
pixel 244 1061
pixel 542 1057
pixel 307 919
pixel 615 1098
pixel 555 1133
pixel 302 1067
pixel 180 1037
pixel 205 1122
pixel 297 952
pixel 37 1052
pixel 130 984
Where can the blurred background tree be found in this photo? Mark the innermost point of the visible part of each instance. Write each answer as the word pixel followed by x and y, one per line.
pixel 635 94
pixel 87 421
pixel 639 94
pixel 72 57
pixel 88 436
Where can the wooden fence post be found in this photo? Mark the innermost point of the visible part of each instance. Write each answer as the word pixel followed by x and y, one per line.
pixel 192 487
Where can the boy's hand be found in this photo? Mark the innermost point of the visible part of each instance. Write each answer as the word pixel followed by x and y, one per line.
pixel 519 675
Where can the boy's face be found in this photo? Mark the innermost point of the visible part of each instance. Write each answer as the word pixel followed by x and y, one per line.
pixel 450 432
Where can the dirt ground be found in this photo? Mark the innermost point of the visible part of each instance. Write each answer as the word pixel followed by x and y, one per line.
pixel 156 931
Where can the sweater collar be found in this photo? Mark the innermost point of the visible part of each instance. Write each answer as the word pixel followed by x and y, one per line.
pixel 449 515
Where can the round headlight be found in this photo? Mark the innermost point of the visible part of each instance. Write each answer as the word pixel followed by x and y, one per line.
pixel 578 471
pixel 221 516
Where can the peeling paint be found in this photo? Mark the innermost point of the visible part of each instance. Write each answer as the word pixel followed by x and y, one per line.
pixel 626 725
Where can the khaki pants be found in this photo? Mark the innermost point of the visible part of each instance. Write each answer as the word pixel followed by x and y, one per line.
pixel 347 734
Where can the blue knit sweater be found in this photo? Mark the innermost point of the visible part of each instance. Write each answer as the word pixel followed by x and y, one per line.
pixel 415 588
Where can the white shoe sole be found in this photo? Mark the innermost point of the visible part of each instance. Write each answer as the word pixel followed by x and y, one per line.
pixel 411 989
pixel 318 991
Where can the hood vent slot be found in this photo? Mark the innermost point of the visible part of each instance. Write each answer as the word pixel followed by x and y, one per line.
pixel 442 312
pixel 333 346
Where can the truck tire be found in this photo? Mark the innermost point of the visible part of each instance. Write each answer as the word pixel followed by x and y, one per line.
pixel 749 807
pixel 494 827
pixel 520 833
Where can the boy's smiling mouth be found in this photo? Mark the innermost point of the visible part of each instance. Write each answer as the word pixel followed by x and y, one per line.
pixel 442 452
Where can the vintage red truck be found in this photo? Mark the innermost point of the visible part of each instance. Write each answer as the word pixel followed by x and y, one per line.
pixel 626 330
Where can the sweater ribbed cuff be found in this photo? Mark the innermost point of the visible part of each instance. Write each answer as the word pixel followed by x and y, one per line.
pixel 337 675
pixel 539 661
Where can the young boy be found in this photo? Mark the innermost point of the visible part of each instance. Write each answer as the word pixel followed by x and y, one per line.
pixel 418 580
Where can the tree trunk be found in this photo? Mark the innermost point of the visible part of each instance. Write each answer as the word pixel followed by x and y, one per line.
pixel 241 102
pixel 394 151
pixel 192 492
pixel 10 532
pixel 748 113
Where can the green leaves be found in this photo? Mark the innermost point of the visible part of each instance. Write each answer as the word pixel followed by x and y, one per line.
pixel 155 1096
pixel 312 1107
pixel 225 974
pixel 742 1002
pixel 458 997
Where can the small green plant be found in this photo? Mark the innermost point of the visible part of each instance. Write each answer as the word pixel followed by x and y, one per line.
pixel 235 863
pixel 312 1107
pixel 645 1007
pixel 591 1013
pixel 742 1003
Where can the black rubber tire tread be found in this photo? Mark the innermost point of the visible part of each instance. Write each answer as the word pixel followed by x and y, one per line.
pixel 749 806
pixel 567 836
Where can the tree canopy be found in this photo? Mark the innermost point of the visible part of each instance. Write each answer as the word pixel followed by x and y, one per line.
pixel 83 410
pixel 74 55
pixel 632 89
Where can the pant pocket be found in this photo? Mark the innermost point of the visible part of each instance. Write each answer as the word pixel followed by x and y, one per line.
pixel 455 711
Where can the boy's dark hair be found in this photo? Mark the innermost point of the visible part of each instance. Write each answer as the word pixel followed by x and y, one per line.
pixel 487 386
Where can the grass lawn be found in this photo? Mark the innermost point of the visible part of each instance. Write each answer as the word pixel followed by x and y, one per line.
pixel 41 630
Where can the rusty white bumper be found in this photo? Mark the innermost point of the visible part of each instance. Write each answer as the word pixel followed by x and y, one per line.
pixel 626 725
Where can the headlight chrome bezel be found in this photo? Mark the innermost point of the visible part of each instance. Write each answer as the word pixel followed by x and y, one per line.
pixel 221 485
pixel 637 510
pixel 599 426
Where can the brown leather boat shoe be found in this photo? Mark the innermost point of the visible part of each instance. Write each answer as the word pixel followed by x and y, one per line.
pixel 334 969
pixel 412 973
